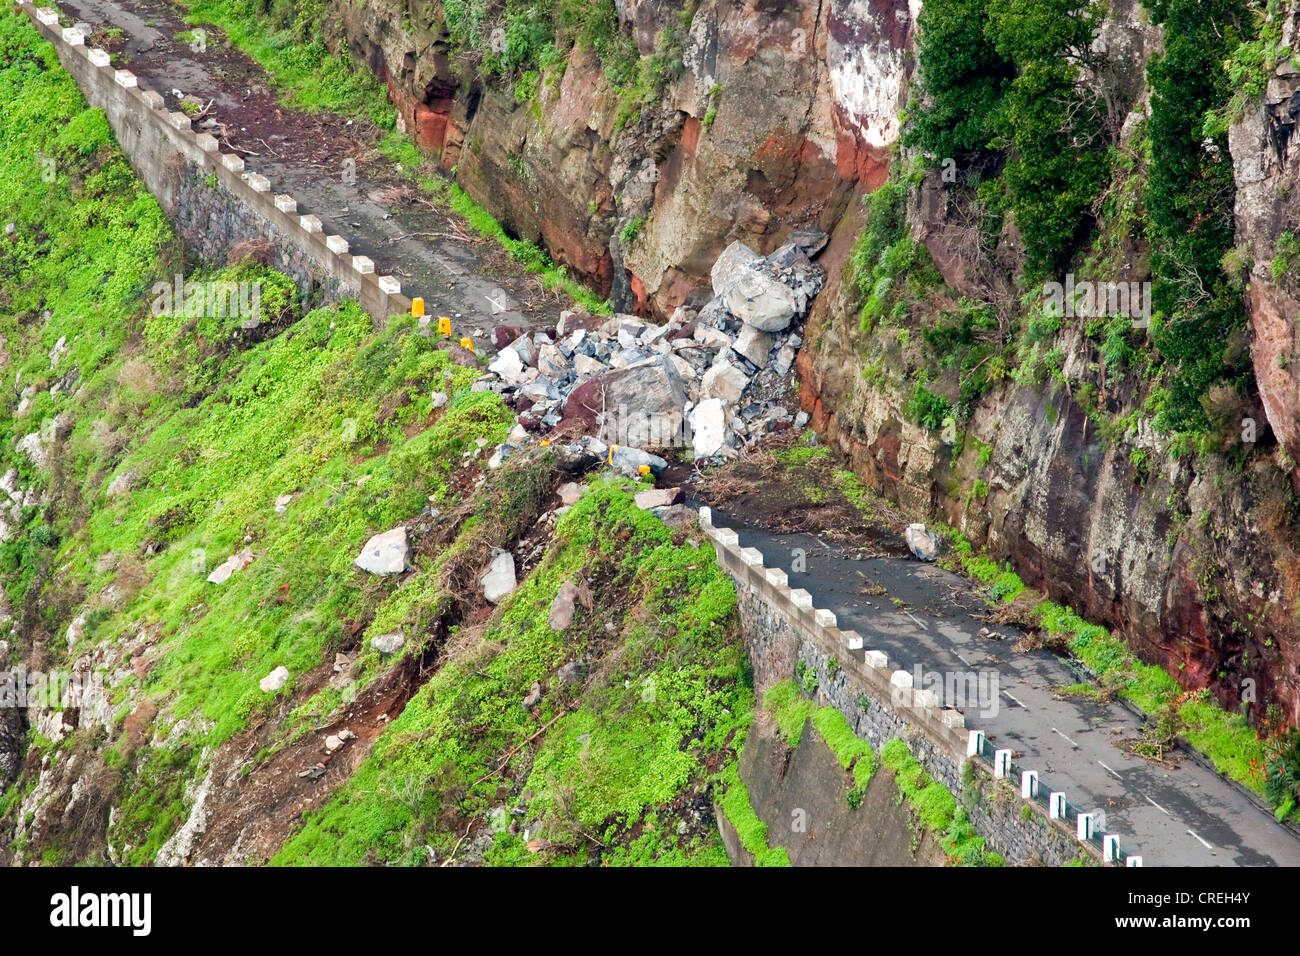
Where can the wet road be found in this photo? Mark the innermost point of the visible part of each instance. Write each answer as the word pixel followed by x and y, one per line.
pixel 1189 816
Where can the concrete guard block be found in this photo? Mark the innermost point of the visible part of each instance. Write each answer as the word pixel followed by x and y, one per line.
pixel 801 599
pixel 259 183
pixel 752 557
pixel 776 577
pixel 99 57
pixel 363 264
pixel 286 203
pixel 852 640
pixel 206 142
pixel 1029 784
pixel 125 78
pixel 953 719
pixel 47 15
pixel 825 618
pixel 726 537
pixel 232 162
pixel 337 244
pixel 179 121
pixel 389 285
pixel 878 660
pixel 310 223
pixel 72 36
pixel 153 98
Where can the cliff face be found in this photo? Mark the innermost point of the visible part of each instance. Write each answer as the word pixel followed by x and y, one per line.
pixel 1266 163
pixel 778 114
pixel 781 117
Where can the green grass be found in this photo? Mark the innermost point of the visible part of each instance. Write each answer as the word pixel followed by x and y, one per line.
pixel 785 702
pixel 751 830
pixel 674 695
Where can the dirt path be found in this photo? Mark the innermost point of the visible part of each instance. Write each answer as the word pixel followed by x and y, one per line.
pixel 304 154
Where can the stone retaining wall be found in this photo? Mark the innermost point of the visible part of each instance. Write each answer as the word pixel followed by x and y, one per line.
pixel 212 215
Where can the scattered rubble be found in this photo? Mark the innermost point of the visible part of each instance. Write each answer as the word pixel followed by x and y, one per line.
pixel 236 562
pixel 711 380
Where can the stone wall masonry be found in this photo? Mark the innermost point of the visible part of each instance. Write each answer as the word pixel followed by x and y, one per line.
pixel 781 628
pixel 175 163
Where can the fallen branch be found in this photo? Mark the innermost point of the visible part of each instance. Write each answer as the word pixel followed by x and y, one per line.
pixel 505 760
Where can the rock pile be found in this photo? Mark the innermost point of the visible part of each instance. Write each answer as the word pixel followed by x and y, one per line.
pixel 711 380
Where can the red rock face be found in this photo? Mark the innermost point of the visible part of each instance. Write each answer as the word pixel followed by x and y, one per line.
pixel 1276 354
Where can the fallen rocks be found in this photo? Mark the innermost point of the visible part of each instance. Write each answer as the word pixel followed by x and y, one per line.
pixel 562 608
pixel 385 553
pixel 924 544
pixel 236 562
pixel 570 492
pixel 388 643
pixel 648 386
pixel 499 580
pixel 657 498
pixel 275 680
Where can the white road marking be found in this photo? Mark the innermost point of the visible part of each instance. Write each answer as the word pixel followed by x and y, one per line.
pixel 962 658
pixel 1065 738
pixel 1159 807
pixel 1111 772
pixel 1015 698
pixel 1202 842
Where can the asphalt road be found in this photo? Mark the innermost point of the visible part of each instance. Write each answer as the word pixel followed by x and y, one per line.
pixel 1188 816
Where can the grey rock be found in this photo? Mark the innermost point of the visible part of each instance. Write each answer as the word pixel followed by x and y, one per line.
pixel 388 643
pixel 760 300
pixel 499 580
pixel 385 553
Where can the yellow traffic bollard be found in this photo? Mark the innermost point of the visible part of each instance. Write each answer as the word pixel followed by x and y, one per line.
pixel 444 325
pixel 417 307
pixel 467 343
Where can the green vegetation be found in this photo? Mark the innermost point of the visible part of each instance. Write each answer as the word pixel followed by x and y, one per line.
pixel 1200 313
pixel 936 808
pixel 668 696
pixel 752 831
pixel 785 702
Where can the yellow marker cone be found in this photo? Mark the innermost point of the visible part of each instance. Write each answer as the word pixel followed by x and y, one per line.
pixel 444 325
pixel 417 307
pixel 467 343
pixel 644 469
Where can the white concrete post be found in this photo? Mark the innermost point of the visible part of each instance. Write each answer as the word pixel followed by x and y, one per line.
pixel 1110 848
pixel 1056 806
pixel 1029 784
pixel 1084 826
pixel 1133 861
pixel 1002 763
pixel 974 743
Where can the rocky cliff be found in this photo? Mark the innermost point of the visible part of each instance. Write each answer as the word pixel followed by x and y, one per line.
pixel 763 119
pixel 752 120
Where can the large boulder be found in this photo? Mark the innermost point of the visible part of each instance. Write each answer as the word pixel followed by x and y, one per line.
pixel 236 562
pixel 499 580
pixel 724 381
pixel 637 405
pixel 760 300
pixel 734 258
pixel 708 428
pixel 385 553
pixel 924 544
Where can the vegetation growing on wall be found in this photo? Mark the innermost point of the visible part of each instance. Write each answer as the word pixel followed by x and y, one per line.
pixel 1201 314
